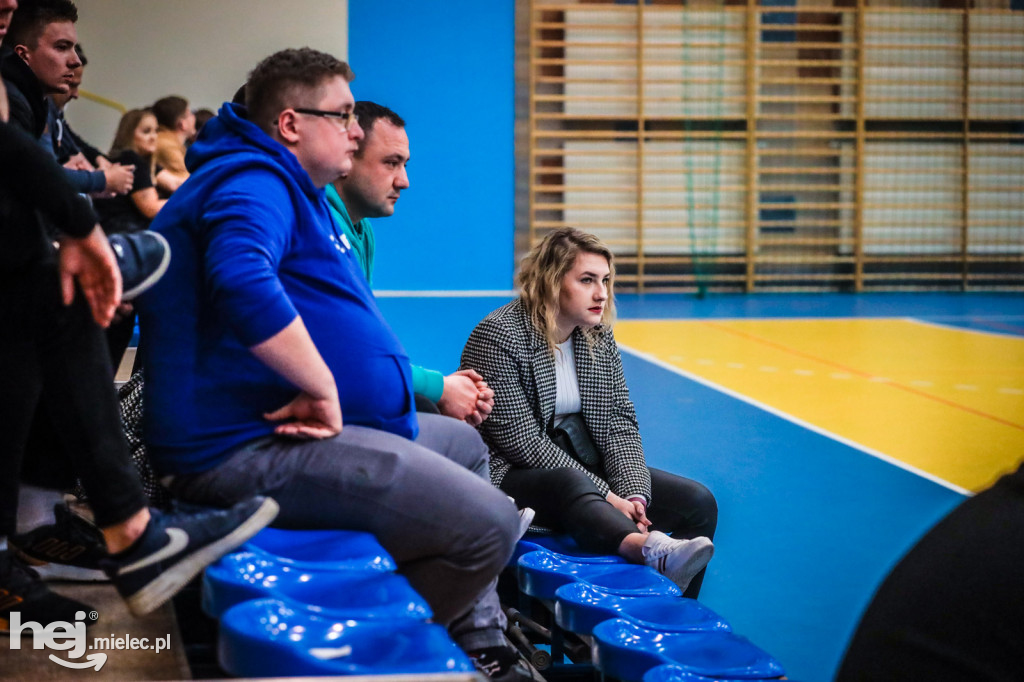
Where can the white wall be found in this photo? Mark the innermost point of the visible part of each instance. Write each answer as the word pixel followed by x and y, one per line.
pixel 199 49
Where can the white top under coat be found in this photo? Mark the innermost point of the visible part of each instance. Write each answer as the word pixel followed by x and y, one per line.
pixel 567 386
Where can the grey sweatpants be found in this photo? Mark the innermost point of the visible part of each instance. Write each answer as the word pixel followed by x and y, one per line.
pixel 429 502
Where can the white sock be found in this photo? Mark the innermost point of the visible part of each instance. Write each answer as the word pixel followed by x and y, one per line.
pixel 35 507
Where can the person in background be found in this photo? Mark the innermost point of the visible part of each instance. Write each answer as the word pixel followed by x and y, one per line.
pixel 72 151
pixel 371 190
pixel 176 127
pixel 38 61
pixel 134 145
pixel 563 434
pixel 269 366
pixel 53 303
pixel 202 118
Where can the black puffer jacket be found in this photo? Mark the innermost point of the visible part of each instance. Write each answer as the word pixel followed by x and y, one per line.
pixel 33 194
pixel 29 106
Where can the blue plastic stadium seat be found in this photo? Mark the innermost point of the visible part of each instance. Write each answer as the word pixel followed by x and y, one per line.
pixel 533 542
pixel 322 549
pixel 541 573
pixel 522 547
pixel 351 593
pixel 627 651
pixel 271 638
pixel 579 607
pixel 560 543
pixel 674 673
pixel 302 564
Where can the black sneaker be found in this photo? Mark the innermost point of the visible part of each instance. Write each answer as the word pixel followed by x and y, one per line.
pixel 143 258
pixel 71 543
pixel 22 591
pixel 176 546
pixel 500 664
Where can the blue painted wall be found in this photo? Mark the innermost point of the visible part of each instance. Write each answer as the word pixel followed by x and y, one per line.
pixel 447 69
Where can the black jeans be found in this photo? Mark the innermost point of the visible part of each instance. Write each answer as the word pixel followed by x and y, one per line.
pixel 566 500
pixel 119 335
pixel 58 408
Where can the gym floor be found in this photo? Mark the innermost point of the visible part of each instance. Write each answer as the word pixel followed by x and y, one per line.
pixel 834 429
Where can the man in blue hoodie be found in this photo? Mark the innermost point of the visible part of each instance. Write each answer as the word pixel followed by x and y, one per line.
pixel 270 367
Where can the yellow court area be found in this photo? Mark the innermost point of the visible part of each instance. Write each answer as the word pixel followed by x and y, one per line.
pixel 947 401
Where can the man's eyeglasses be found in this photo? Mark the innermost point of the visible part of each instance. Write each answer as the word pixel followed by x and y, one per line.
pixel 347 118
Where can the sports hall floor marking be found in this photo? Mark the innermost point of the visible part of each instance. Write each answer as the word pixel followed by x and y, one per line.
pixel 944 402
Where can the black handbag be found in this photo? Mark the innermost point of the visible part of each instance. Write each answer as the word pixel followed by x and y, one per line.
pixel 572 436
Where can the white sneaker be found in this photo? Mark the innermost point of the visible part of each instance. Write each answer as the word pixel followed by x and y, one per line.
pixel 525 519
pixel 678 560
pixel 526 515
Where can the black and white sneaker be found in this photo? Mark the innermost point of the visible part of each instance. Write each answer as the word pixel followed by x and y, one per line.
pixel 176 546
pixel 69 549
pixel 22 591
pixel 143 258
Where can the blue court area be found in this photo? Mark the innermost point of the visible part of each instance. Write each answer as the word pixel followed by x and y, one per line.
pixel 809 525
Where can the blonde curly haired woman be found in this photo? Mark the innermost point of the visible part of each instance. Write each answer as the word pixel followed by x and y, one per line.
pixel 563 434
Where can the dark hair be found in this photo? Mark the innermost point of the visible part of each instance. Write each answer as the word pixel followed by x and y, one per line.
pixel 81 54
pixel 169 110
pixel 202 116
pixel 368 114
pixel 33 16
pixel 285 77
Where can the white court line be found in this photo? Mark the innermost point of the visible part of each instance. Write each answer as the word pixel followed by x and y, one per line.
pixel 955 327
pixel 446 293
pixel 947 321
pixel 794 420
pixel 975 316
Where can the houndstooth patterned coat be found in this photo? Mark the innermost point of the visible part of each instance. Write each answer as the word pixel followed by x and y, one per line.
pixel 514 359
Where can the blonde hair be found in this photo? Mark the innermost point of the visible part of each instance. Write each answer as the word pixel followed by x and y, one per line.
pixel 540 280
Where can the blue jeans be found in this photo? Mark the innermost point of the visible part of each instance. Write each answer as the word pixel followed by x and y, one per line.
pixel 429 503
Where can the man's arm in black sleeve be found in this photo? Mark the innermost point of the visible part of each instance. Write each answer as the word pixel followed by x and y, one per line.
pixel 39 181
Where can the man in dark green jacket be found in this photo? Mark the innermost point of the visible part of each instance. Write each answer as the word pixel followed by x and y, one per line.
pixel 371 190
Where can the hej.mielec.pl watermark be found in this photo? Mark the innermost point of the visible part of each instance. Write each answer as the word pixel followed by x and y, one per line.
pixel 70 637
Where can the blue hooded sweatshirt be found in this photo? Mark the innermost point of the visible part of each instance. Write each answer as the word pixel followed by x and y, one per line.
pixel 253 246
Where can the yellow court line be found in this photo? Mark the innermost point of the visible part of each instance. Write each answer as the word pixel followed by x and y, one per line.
pixel 947 401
